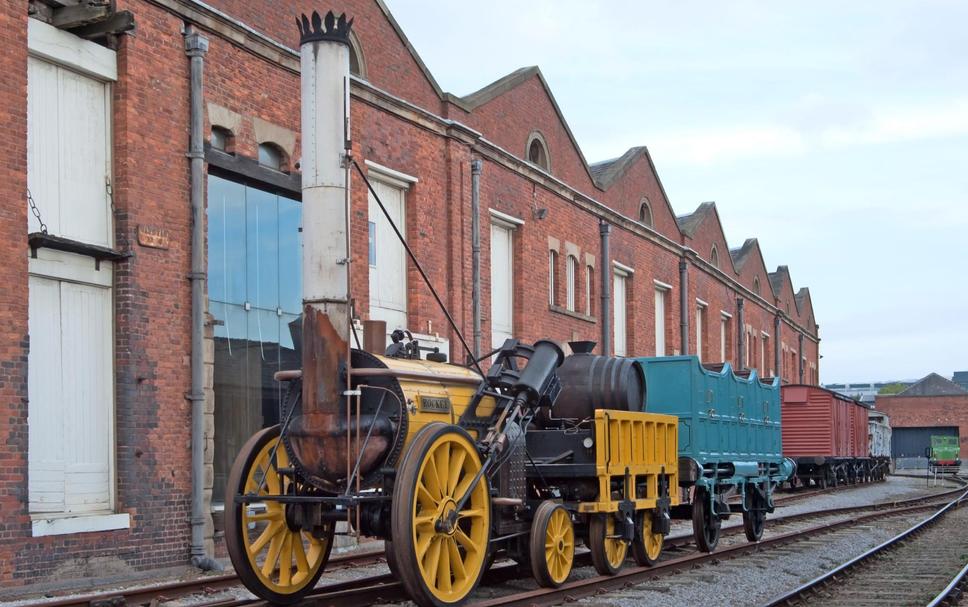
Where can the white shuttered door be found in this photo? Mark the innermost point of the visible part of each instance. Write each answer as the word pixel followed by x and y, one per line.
pixel 502 285
pixel 68 148
pixel 388 262
pixel 71 396
pixel 619 299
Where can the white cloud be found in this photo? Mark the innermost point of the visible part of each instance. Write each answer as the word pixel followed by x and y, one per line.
pixel 712 145
pixel 893 125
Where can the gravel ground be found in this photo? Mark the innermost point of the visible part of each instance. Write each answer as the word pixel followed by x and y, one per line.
pixel 894 488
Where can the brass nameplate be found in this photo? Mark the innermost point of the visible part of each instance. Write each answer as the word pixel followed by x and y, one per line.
pixel 435 404
pixel 156 238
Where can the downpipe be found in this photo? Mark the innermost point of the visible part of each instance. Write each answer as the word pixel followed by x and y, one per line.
pixel 606 298
pixel 476 166
pixel 684 307
pixel 196 46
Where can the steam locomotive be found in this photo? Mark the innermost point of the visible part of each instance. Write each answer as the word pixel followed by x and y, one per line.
pixel 453 465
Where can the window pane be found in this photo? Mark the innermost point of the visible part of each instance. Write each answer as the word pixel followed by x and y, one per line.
pixel 226 240
pixel 372 243
pixel 262 263
pixel 290 255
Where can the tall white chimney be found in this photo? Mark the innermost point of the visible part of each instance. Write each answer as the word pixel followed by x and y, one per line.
pixel 314 435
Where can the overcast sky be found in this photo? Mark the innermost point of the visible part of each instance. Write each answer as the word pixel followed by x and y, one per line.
pixel 835 132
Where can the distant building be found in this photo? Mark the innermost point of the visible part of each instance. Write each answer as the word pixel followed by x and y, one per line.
pixel 932 406
pixel 961 378
pixel 865 392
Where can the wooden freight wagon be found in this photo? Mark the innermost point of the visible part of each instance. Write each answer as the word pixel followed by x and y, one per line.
pixel 827 435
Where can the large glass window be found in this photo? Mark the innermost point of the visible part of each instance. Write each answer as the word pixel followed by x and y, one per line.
pixel 255 297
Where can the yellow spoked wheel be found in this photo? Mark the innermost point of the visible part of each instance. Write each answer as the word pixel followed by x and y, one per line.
pixel 647 546
pixel 273 557
pixel 552 546
pixel 607 548
pixel 439 551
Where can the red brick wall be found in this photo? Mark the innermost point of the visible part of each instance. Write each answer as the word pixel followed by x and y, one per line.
pixel 928 411
pixel 14 524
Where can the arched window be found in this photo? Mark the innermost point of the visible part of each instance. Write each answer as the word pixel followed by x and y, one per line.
pixel 552 275
pixel 645 212
pixel 538 151
pixel 589 289
pixel 571 278
pixel 222 140
pixel 714 257
pixel 357 63
pixel 271 156
pixel 756 285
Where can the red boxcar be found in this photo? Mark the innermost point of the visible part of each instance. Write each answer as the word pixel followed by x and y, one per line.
pixel 826 433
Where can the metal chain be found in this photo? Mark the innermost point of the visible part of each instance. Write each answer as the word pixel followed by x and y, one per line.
pixel 110 192
pixel 36 212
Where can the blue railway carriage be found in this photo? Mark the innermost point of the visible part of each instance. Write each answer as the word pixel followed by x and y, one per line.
pixel 729 442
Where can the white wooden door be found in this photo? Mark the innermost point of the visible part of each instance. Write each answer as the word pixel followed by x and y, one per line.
pixel 502 284
pixel 68 152
pixel 388 259
pixel 70 384
pixel 660 331
pixel 620 312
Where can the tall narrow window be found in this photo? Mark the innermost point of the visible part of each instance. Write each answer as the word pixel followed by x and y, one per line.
pixel 571 278
pixel 756 285
pixel 723 337
pixel 502 282
pixel 537 151
pixel 764 346
pixel 589 289
pixel 70 366
pixel 660 322
pixel 552 275
pixel 714 257
pixel 619 299
pixel 700 330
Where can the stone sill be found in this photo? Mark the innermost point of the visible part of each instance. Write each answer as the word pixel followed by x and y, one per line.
pixel 569 313
pixel 86 523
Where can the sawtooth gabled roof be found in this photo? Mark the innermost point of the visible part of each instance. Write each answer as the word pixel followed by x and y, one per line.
pixel 933 384
pixel 688 224
pixel 742 254
pixel 513 80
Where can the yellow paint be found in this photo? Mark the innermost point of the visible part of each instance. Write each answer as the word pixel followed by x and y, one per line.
pixel 450 560
pixel 284 560
pixel 644 444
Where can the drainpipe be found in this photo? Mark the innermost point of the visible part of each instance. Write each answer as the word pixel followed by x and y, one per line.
pixel 196 46
pixel 741 332
pixel 800 356
pixel 777 326
pixel 684 305
pixel 606 311
pixel 476 166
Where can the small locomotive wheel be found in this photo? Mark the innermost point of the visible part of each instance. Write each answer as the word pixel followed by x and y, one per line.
pixel 275 559
pixel 753 520
pixel 608 550
pixel 440 556
pixel 705 524
pixel 552 544
pixel 647 546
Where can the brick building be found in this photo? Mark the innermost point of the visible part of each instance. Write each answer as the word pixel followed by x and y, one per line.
pixel 933 405
pixel 96 332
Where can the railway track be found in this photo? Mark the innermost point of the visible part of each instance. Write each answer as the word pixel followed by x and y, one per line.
pixel 384 588
pixel 925 564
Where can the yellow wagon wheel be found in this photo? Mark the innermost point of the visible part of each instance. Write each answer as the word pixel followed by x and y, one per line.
pixel 552 545
pixel 272 556
pixel 607 548
pixel 440 556
pixel 647 546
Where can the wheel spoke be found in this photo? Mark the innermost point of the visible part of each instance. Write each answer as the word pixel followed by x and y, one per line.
pixel 443 568
pixel 424 541
pixel 431 480
pixel 433 554
pixel 442 460
pixel 268 515
pixel 267 534
pixel 456 467
pixel 285 561
pixel 466 541
pixel 275 546
pixel 456 563
pixel 426 498
pixel 302 563
pixel 471 513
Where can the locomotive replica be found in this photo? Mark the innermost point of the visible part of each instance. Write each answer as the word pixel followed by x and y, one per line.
pixel 450 465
